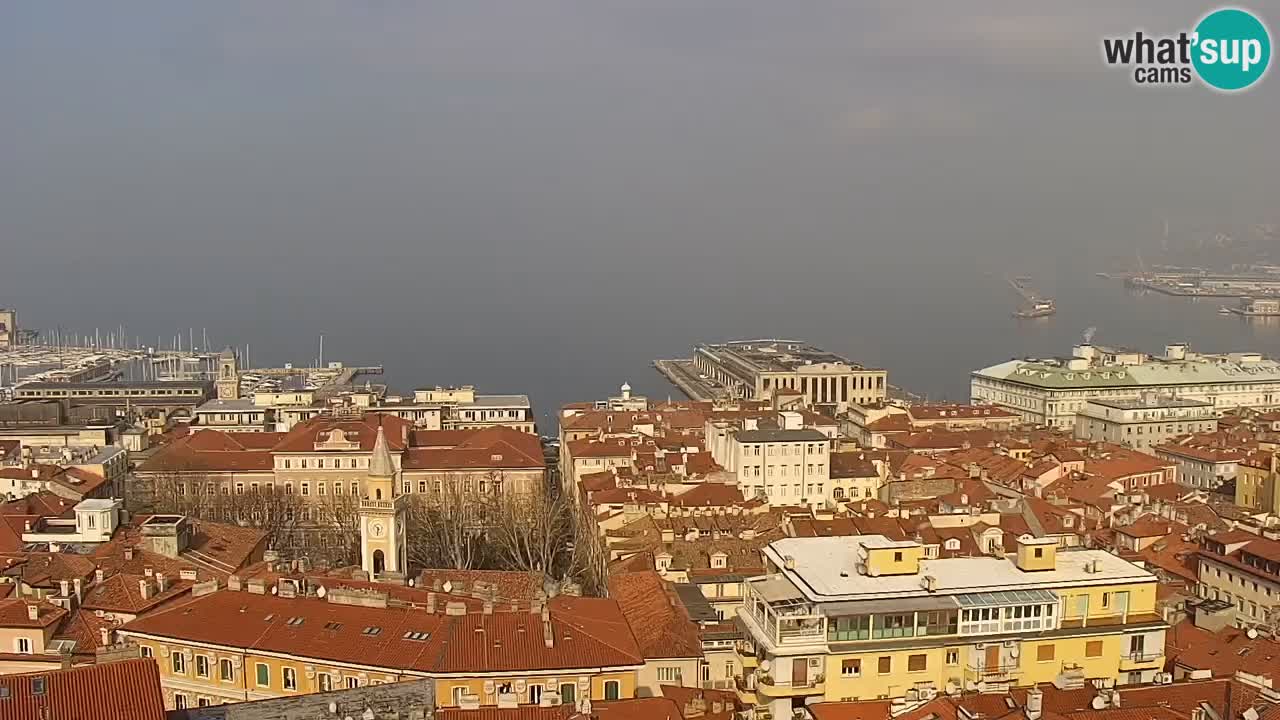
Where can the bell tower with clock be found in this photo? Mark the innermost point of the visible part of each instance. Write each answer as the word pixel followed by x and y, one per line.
pixel 382 521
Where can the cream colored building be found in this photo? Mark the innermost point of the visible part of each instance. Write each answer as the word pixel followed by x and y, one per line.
pixel 1052 391
pixel 1143 422
pixel 755 369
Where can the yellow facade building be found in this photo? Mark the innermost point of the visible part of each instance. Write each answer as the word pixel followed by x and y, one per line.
pixel 233 646
pixel 865 617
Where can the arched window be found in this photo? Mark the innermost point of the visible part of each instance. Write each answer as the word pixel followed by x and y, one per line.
pixel 379 562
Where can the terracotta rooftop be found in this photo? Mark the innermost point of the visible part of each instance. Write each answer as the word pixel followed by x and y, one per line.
pixel 1147 526
pixel 708 495
pixel 124 690
pixel 658 620
pixel 15 613
pixel 584 632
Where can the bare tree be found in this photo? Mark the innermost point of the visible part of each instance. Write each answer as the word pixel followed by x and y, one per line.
pixel 530 532
pixel 337 522
pixel 446 528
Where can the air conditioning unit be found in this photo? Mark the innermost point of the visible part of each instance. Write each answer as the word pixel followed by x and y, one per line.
pixel 815 662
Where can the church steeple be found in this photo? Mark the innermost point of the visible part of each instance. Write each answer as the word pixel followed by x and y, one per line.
pixel 228 382
pixel 382 516
pixel 381 465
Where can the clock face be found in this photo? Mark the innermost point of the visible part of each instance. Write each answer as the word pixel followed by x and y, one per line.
pixel 376 529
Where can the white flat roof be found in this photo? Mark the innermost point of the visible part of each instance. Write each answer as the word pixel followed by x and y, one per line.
pixel 820 560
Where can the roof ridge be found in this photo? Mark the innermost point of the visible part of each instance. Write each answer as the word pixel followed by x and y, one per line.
pixel 563 618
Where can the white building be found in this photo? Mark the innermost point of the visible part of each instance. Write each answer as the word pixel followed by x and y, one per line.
pixel 755 369
pixel 1052 391
pixel 1143 422
pixel 1201 466
pixel 786 465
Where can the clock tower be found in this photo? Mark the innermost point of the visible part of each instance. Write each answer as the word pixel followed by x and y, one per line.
pixel 382 518
pixel 228 382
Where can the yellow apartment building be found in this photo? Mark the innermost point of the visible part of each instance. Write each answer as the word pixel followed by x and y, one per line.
pixel 865 617
pixel 229 646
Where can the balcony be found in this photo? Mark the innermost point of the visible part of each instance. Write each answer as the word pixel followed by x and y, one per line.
pixel 992 673
pixel 1141 660
pixel 770 688
pixel 382 505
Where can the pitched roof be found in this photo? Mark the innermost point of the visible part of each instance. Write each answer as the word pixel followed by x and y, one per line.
pixel 1231 650
pixel 658 621
pixel 708 495
pixel 583 632
pixel 14 612
pixel 497 446
pixel 124 690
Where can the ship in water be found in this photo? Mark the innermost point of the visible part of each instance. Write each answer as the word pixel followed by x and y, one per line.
pixel 1033 306
pixel 1037 309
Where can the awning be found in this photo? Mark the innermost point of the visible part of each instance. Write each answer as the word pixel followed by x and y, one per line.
pixel 882 607
pixel 1007 597
pixel 776 589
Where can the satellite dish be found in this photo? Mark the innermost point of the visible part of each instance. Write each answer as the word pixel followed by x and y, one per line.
pixel 448 586
pixel 1252 633
pixel 320 591
pixel 1099 703
pixel 765 665
pixel 274 590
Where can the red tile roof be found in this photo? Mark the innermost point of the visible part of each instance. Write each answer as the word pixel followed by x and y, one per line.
pixel 1231 650
pixel 1146 526
pixel 125 690
pixel 14 613
pixel 658 621
pixel 492 447
pixel 584 632
pixel 685 697
pixel 708 495
pixel 651 708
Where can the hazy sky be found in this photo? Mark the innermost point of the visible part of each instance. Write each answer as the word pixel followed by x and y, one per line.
pixel 482 185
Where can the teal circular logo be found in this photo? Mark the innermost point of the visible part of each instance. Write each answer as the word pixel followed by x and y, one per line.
pixel 1232 49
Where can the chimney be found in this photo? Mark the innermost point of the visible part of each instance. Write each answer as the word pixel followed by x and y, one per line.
pixel 33 611
pixel 1035 704
pixel 64 588
pixel 78 585
pixel 233 583
pixel 162 583
pixel 105 636
pixel 147 571
pixel 488 607
pixel 98 575
pixel 144 589
pixel 455 608
pixel 431 602
pixel 128 553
